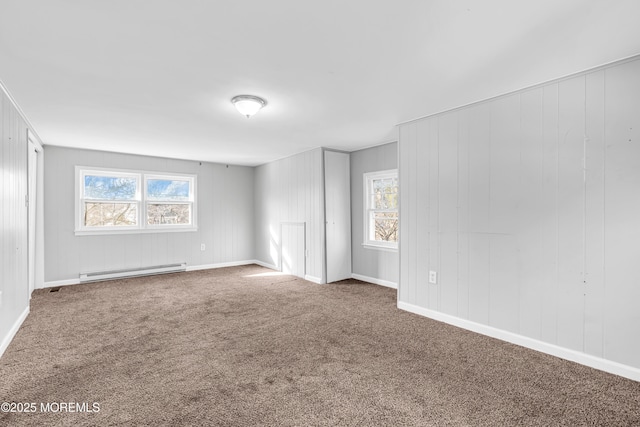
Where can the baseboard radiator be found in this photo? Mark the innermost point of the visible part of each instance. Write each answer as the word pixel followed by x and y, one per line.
pixel 132 272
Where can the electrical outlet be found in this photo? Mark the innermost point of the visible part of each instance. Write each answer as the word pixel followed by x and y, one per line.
pixel 202 247
pixel 433 277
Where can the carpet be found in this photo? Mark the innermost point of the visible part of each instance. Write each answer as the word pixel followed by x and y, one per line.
pixel 244 346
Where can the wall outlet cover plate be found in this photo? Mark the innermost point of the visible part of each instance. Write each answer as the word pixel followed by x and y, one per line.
pixel 433 277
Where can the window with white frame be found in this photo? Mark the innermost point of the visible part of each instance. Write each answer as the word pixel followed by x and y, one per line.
pixel 381 209
pixel 120 201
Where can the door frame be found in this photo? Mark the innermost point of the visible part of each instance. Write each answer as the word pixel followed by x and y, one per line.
pixel 35 232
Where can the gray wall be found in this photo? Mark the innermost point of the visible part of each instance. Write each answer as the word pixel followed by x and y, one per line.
pixel 291 190
pixel 372 263
pixel 225 218
pixel 14 286
pixel 527 206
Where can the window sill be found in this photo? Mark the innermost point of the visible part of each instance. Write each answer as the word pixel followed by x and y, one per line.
pixel 136 231
pixel 380 247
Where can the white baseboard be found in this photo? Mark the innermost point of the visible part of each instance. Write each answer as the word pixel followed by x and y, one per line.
pixel 375 281
pixel 56 283
pixel 13 331
pixel 273 267
pixel 541 346
pixel 313 279
pixel 265 264
pixel 67 282
pixel 220 265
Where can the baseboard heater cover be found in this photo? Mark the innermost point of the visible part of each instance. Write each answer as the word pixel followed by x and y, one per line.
pixel 132 272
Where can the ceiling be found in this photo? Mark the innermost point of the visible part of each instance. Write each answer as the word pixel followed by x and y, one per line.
pixel 155 77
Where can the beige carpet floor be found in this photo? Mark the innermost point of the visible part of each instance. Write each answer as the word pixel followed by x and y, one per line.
pixel 244 347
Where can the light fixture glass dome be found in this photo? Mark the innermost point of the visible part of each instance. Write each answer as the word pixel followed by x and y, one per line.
pixel 248 105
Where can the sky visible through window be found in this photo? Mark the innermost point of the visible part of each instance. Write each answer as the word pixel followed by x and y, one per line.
pixel 164 189
pixel 134 200
pixel 109 187
pixel 119 188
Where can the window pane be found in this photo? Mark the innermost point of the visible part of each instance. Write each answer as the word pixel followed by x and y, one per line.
pixel 385 226
pixel 110 214
pixel 385 193
pixel 168 189
pixel 110 187
pixel 158 214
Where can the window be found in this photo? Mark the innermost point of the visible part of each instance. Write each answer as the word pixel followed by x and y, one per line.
pixel 169 200
pixel 117 201
pixel 381 209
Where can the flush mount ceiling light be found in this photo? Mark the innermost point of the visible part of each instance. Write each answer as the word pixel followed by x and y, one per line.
pixel 248 105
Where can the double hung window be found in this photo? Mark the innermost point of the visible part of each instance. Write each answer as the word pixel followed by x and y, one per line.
pixel 118 201
pixel 381 209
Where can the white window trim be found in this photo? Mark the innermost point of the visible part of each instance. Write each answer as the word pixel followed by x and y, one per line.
pixel 192 185
pixel 142 227
pixel 368 177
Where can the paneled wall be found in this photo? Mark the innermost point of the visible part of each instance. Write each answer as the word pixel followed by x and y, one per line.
pixel 527 207
pixel 225 218
pixel 291 190
pixel 14 286
pixel 370 264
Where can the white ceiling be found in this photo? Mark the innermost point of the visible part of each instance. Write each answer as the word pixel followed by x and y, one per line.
pixel 155 76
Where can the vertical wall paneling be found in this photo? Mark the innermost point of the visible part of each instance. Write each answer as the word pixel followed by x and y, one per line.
pixel 4 200
pixel 421 213
pixel 594 213
pixel 503 202
pixel 228 181
pixel 448 212
pixel 462 226
pixel 23 212
pixel 530 210
pixel 14 242
pixel 310 192
pixel 548 286
pixel 479 191
pixel 571 213
pixel 4 206
pixel 338 215
pixel 414 221
pixel 293 248
pixel 622 214
pixel 532 217
pixel 430 189
pixel 278 189
pixel 405 183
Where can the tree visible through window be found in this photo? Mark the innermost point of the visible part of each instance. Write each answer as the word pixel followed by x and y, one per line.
pixel 110 201
pixel 168 201
pixel 128 200
pixel 381 208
